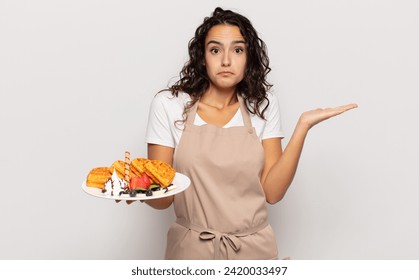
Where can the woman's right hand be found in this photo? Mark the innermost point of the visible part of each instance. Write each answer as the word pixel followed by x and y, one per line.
pixel 127 201
pixel 160 203
pixel 165 154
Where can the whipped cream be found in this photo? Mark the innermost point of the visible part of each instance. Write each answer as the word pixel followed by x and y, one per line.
pixel 115 185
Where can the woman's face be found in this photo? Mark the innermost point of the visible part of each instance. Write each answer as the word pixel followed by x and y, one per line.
pixel 225 56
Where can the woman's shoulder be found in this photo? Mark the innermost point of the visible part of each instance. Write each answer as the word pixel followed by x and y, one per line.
pixel 271 97
pixel 269 104
pixel 169 106
pixel 270 126
pixel 167 98
pixel 273 101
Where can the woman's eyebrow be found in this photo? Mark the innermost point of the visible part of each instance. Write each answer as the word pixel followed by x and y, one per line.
pixel 219 43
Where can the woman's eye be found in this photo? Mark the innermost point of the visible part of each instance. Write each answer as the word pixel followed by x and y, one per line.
pixel 238 50
pixel 214 51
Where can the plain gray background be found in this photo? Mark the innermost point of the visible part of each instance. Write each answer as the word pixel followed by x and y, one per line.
pixel 77 78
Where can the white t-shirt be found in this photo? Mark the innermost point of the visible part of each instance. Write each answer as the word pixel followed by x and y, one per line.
pixel 166 109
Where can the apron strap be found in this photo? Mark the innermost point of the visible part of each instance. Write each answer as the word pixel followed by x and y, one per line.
pixel 243 109
pixel 229 240
pixel 190 118
pixel 245 113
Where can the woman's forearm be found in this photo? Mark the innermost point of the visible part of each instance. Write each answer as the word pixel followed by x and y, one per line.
pixel 282 172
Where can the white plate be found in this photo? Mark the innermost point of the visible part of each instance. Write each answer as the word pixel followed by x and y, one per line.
pixel 180 183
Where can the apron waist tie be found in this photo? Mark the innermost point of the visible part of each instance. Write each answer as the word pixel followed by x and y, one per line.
pixel 230 240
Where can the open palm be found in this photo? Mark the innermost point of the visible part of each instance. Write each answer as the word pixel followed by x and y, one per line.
pixel 313 117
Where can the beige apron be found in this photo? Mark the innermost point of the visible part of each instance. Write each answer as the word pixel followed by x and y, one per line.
pixel 223 214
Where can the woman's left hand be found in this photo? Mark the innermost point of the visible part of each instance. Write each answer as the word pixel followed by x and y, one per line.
pixel 313 117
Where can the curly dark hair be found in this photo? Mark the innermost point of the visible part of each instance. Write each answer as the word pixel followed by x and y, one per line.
pixel 254 86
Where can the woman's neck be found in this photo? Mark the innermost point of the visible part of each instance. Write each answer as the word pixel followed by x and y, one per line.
pixel 219 99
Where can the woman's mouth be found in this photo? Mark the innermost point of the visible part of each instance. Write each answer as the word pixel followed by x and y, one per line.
pixel 225 73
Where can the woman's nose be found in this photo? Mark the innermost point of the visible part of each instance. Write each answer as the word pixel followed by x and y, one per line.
pixel 226 60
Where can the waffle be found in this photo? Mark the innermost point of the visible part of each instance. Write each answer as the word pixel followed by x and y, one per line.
pixel 137 166
pixel 160 172
pixel 119 165
pixel 98 176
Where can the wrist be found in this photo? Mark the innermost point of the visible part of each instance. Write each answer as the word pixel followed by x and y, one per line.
pixel 302 125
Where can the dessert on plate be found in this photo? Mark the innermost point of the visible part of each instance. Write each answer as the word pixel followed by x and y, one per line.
pixel 131 178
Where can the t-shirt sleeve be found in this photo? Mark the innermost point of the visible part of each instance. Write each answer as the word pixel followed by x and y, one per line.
pixel 159 123
pixel 273 127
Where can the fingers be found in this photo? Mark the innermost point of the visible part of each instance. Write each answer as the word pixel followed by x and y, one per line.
pixel 127 201
pixel 347 107
pixel 331 112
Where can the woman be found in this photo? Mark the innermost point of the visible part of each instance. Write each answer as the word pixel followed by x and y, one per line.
pixel 219 125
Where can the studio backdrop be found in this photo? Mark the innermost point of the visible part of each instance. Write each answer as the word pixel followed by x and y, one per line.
pixel 77 78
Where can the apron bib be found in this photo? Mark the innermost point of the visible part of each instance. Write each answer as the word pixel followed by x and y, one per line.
pixel 223 214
